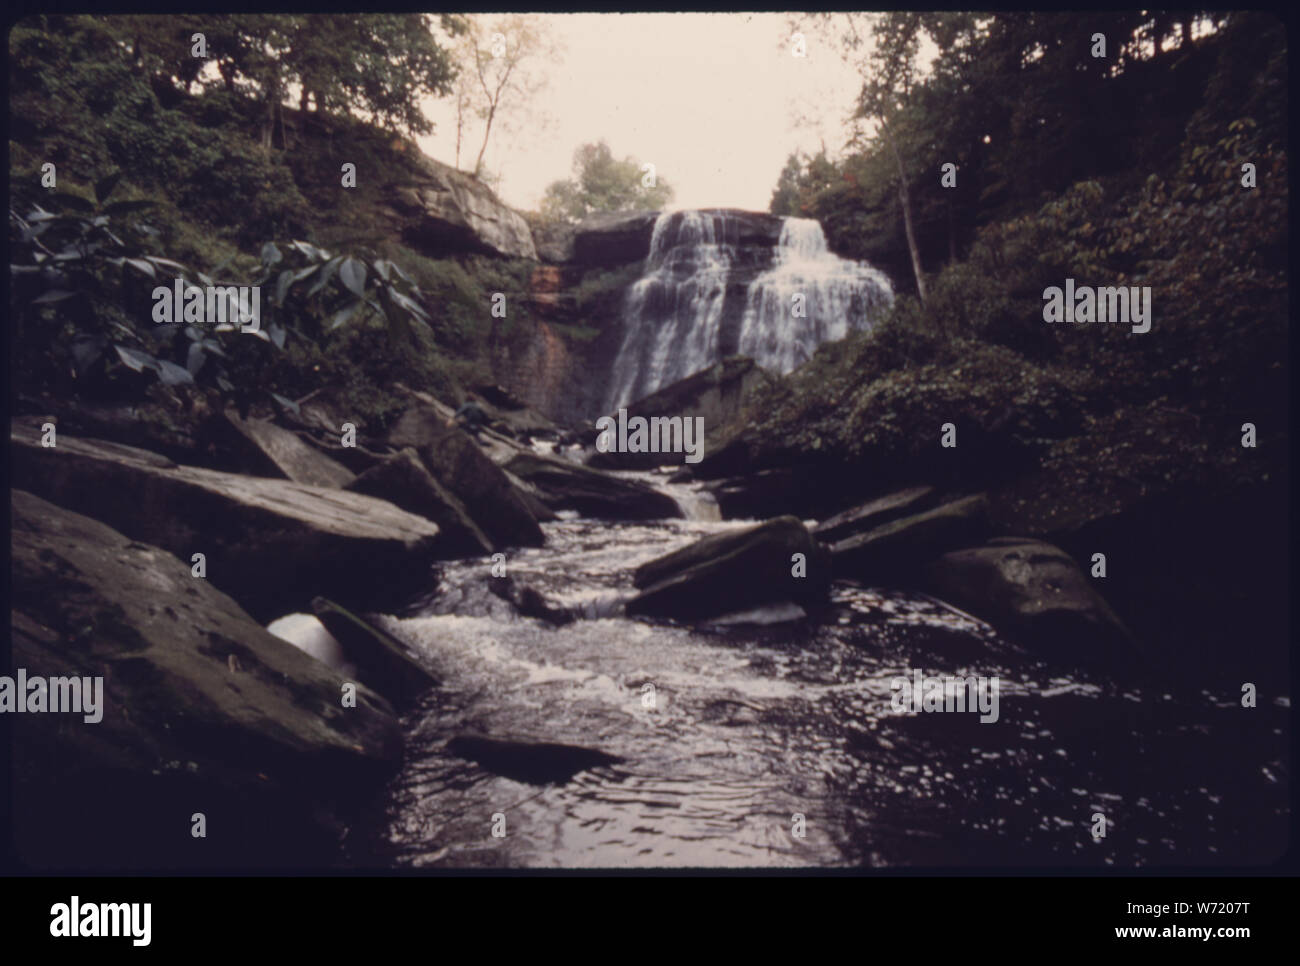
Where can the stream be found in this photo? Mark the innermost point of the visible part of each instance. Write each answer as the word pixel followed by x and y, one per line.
pixel 756 732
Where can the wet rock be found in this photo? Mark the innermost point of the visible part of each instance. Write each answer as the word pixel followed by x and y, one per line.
pixel 457 462
pixel 532 762
pixel 894 551
pixel 403 481
pixel 736 571
pixel 1033 592
pixel 271 544
pixel 383 662
pixel 203 710
pixel 275 451
pixel 876 513
pixel 569 486
pixel 529 602
pixel 766 493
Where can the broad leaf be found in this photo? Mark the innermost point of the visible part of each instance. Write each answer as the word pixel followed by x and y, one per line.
pixel 353 275
pixel 173 375
pixel 104 186
pixel 135 359
pixel 75 202
pixel 54 295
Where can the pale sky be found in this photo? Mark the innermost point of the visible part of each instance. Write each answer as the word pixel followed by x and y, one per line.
pixel 710 99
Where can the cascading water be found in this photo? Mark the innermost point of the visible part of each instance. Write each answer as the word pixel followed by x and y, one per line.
pixel 838 296
pixel 715 286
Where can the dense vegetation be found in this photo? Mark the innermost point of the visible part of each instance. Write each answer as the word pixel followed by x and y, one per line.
pixel 1118 171
pixel 209 176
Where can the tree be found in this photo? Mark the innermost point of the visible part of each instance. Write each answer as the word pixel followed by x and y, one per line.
pixel 785 197
pixel 886 97
pixel 501 72
pixel 379 66
pixel 601 182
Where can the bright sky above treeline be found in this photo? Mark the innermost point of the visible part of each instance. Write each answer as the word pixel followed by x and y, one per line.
pixel 715 101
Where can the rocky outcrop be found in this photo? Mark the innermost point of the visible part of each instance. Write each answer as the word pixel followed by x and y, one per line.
pixel 279 452
pixel 1034 592
pixel 403 480
pixel 202 711
pixel 382 661
pixel 735 571
pixel 458 463
pixel 446 211
pixel 271 544
pixel 568 486
pixel 554 241
pixel 893 551
pixel 717 395
pixel 614 238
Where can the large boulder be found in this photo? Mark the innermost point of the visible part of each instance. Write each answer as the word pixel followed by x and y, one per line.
pixel 403 480
pixel 446 211
pixel 457 462
pixel 203 710
pixel 895 550
pixel 735 571
pixel 569 486
pixel 275 451
pixel 1032 591
pixel 271 544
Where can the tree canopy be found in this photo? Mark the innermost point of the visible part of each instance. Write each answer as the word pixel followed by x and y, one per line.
pixel 602 182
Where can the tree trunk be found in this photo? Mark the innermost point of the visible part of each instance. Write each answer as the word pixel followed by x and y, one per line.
pixel 905 200
pixel 487 131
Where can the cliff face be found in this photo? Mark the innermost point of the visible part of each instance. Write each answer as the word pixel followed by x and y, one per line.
pixel 444 211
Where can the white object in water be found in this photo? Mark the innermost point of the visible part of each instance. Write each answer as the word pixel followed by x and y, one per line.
pixel 309 635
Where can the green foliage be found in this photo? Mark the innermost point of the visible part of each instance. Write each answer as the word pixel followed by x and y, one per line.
pixel 601 183
pixel 81 299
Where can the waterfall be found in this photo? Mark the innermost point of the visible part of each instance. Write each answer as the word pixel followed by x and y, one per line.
pixel 839 296
pixel 719 282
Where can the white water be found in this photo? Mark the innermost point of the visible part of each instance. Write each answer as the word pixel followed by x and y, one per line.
pixel 839 296
pixel 673 315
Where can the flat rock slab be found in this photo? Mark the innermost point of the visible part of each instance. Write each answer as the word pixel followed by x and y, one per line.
pixel 287 455
pixel 569 486
pixel 203 709
pixel 271 544
pixel 866 516
pixel 894 551
pixel 403 480
pixel 457 462
pixel 735 571
pixel 382 661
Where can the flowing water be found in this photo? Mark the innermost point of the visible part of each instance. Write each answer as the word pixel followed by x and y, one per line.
pixel 708 292
pixel 757 731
